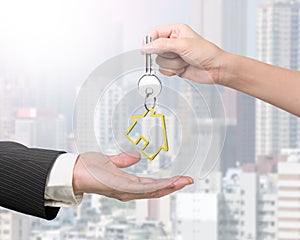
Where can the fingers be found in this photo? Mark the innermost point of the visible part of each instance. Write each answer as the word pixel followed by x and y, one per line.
pixel 171 66
pixel 164 31
pixel 169 38
pixel 164 45
pixel 169 55
pixel 165 67
pixel 171 63
pixel 171 31
pixel 168 72
pixel 172 72
pixel 141 185
pixel 124 160
pixel 161 193
pixel 177 185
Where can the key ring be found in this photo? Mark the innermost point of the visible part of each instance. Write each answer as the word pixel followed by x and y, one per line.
pixel 145 103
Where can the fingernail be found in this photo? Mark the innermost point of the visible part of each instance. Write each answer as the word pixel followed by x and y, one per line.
pixel 191 181
pixel 188 180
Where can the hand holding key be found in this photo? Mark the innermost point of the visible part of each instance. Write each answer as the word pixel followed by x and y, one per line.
pixel 182 52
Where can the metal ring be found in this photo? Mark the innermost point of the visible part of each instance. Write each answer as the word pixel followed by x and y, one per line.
pixel 145 103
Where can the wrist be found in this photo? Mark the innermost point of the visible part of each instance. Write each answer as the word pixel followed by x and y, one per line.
pixel 226 64
pixel 238 72
pixel 78 177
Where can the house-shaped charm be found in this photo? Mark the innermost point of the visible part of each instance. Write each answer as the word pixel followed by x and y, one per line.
pixel 150 112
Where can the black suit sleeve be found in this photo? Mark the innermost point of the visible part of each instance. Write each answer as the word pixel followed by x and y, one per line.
pixel 23 175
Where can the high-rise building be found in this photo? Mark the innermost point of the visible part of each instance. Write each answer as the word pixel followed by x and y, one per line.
pixel 288 196
pixel 267 207
pixel 239 208
pixel 197 215
pixel 278 44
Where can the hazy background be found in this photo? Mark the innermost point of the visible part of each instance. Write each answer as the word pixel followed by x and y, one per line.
pixel 49 48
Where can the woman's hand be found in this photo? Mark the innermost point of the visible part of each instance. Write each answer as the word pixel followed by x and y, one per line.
pixel 182 52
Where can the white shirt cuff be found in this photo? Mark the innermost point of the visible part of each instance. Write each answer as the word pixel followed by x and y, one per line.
pixel 59 187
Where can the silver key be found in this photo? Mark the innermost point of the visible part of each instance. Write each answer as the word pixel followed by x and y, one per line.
pixel 149 84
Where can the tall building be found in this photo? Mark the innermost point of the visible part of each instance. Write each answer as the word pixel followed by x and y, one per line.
pixel 197 216
pixel 288 196
pixel 278 44
pixel 267 207
pixel 248 208
pixel 239 208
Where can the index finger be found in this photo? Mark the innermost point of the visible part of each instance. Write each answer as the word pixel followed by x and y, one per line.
pixel 164 31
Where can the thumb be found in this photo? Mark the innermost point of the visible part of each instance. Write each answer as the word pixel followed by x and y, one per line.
pixel 124 160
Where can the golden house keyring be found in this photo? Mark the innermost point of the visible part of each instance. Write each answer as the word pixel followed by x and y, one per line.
pixel 149 86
